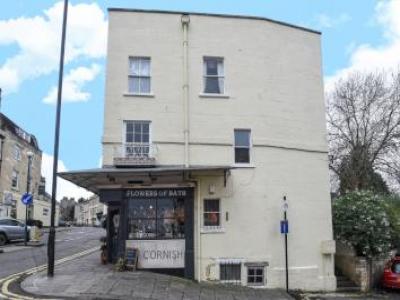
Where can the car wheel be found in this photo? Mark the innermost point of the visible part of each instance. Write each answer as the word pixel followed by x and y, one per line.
pixel 3 239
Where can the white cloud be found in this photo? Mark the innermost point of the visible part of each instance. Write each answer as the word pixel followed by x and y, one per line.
pixel 326 21
pixel 38 41
pixel 72 85
pixel 366 57
pixel 64 187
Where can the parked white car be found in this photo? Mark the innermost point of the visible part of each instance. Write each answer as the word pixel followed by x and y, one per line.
pixel 11 229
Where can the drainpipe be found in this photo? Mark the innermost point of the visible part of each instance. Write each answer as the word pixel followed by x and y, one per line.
pixel 185 25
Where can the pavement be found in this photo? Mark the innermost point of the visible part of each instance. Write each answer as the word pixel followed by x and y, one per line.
pixel 17 258
pixel 86 278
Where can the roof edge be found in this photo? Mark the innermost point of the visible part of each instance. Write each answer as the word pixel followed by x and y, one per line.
pixel 116 9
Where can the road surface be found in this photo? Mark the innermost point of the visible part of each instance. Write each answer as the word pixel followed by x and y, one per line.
pixel 68 242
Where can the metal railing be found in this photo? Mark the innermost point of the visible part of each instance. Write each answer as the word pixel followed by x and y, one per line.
pixel 133 154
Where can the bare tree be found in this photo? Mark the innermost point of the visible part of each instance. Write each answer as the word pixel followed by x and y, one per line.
pixel 364 130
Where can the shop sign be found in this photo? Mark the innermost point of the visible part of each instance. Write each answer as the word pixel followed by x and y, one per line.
pixel 156 193
pixel 158 254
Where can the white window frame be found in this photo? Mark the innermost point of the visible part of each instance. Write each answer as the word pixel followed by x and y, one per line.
pixel 17 179
pixel 231 263
pixel 17 152
pixel 262 267
pixel 140 58
pixel 218 76
pixel 250 147
pixel 124 142
pixel 211 228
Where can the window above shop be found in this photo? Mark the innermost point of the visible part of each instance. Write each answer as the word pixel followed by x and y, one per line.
pixel 214 75
pixel 139 78
pixel 17 152
pixel 14 179
pixel 242 146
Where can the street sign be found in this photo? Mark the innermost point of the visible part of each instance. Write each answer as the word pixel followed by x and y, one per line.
pixel 284 227
pixel 27 199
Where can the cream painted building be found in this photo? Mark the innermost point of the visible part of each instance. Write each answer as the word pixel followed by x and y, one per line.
pixel 210 120
pixel 89 211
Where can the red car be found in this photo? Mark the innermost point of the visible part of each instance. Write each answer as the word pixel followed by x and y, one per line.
pixel 391 274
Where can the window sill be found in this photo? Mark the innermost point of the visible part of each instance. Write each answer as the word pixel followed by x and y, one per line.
pixel 212 229
pixel 150 95
pixel 243 166
pixel 222 96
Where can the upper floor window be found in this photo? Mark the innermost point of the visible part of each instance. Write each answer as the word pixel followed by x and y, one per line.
pixel 242 146
pixel 214 78
pixel 14 179
pixel 139 75
pixel 17 152
pixel 137 138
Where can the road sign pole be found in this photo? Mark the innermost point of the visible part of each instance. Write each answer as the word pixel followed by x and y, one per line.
pixel 285 231
pixel 28 185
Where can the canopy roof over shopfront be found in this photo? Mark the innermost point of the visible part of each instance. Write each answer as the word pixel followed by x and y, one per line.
pixel 111 177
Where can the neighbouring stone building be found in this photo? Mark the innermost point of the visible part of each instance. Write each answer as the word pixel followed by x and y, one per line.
pixel 89 211
pixel 209 122
pixel 15 146
pixel 67 209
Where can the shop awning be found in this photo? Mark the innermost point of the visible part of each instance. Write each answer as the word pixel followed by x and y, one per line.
pixel 96 179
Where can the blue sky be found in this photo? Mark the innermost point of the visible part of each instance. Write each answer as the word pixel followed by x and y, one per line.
pixel 356 34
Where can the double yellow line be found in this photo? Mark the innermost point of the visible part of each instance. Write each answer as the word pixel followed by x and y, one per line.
pixel 7 281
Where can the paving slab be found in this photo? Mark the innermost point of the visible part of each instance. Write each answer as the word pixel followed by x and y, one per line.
pixel 86 278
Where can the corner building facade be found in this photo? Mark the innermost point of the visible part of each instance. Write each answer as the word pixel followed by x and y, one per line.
pixel 210 120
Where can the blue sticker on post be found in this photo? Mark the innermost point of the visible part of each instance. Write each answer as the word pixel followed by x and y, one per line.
pixel 284 226
pixel 27 199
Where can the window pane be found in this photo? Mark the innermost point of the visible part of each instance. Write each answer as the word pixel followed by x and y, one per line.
pixel 145 128
pixel 242 138
pixel 145 67
pixel 259 279
pixel 212 219
pixel 212 85
pixel 211 205
pixel 251 272
pixel 242 155
pixel 166 208
pixel 230 272
pixel 133 85
pixel 259 272
pixel 142 229
pixel 134 66
pixel 145 138
pixel 145 85
pixel 142 208
pixel 211 66
pixel 129 127
pixel 137 138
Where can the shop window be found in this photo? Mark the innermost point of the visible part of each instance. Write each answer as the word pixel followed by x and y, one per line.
pixel 156 218
pixel 212 213
pixel 242 146
pixel 214 78
pixel 230 272
pixel 139 75
pixel 255 275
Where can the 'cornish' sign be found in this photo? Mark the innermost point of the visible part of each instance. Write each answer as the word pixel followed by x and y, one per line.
pixel 157 254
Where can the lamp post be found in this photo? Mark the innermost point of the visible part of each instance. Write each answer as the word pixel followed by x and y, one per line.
pixel 52 232
pixel 28 187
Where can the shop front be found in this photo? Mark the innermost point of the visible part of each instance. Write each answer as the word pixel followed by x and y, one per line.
pixel 158 222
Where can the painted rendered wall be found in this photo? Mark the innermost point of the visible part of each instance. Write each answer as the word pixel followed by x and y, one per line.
pixel 274 87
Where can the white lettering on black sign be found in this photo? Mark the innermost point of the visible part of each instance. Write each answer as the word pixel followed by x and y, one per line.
pixel 147 193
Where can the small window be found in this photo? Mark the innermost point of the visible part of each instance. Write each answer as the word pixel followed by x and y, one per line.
pixel 139 75
pixel 230 272
pixel 17 152
pixel 14 179
pixel 45 211
pixel 255 275
pixel 212 213
pixel 242 146
pixel 214 78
